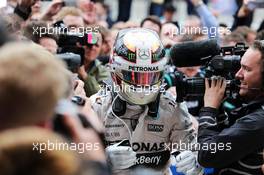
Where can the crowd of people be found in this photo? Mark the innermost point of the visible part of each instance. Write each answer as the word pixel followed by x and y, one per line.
pixel 81 93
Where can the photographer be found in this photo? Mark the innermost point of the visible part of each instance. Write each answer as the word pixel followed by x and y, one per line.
pixel 245 135
pixel 93 72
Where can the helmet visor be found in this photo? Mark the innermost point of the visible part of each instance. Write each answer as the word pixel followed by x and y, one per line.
pixel 140 78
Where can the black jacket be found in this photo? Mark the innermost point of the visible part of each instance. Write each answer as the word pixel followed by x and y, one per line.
pixel 239 146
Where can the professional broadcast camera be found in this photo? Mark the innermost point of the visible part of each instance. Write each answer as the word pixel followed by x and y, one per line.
pixel 70 43
pixel 216 61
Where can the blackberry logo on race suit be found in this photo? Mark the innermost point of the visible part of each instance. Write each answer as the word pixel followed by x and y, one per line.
pixel 154 155
pixel 154 159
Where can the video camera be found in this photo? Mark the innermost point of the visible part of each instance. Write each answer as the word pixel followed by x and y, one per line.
pixel 216 61
pixel 70 42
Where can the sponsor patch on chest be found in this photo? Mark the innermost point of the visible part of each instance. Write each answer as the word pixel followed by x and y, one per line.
pixel 155 127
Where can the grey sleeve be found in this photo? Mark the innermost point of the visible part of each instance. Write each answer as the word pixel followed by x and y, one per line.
pixel 183 131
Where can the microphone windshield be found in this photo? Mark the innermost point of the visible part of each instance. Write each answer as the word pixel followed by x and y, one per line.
pixel 194 53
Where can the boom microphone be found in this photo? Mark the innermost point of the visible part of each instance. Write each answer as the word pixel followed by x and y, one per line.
pixel 194 53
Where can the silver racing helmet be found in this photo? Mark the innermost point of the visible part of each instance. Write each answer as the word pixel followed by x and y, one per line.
pixel 137 65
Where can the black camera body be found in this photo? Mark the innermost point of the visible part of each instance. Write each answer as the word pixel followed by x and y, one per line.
pixel 72 60
pixel 225 64
pixel 192 88
pixel 70 45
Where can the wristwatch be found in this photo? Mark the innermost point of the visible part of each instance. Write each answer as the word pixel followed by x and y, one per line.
pixel 78 100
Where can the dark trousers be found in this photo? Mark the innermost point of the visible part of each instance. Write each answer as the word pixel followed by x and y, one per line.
pixel 124 7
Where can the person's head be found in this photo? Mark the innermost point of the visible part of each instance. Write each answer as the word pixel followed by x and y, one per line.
pixel 168 12
pixel 248 34
pixel 36 7
pixel 168 34
pixel 138 65
pixel 36 31
pixel 107 41
pixel 83 4
pixel 12 26
pixel 71 17
pixel 152 23
pixel 32 81
pixel 101 10
pixel 223 31
pixel 92 51
pixel 232 39
pixel 33 29
pixel 89 11
pixel 251 72
pixel 192 22
pixel 193 26
pixel 20 156
pixel 49 42
pixel 189 71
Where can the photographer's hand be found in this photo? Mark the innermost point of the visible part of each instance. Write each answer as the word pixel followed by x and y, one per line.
pixel 87 110
pixel 78 89
pixel 244 10
pixel 82 73
pixel 214 92
pixel 52 9
pixel 92 116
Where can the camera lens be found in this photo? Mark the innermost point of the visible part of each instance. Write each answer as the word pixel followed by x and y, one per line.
pixel 195 87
